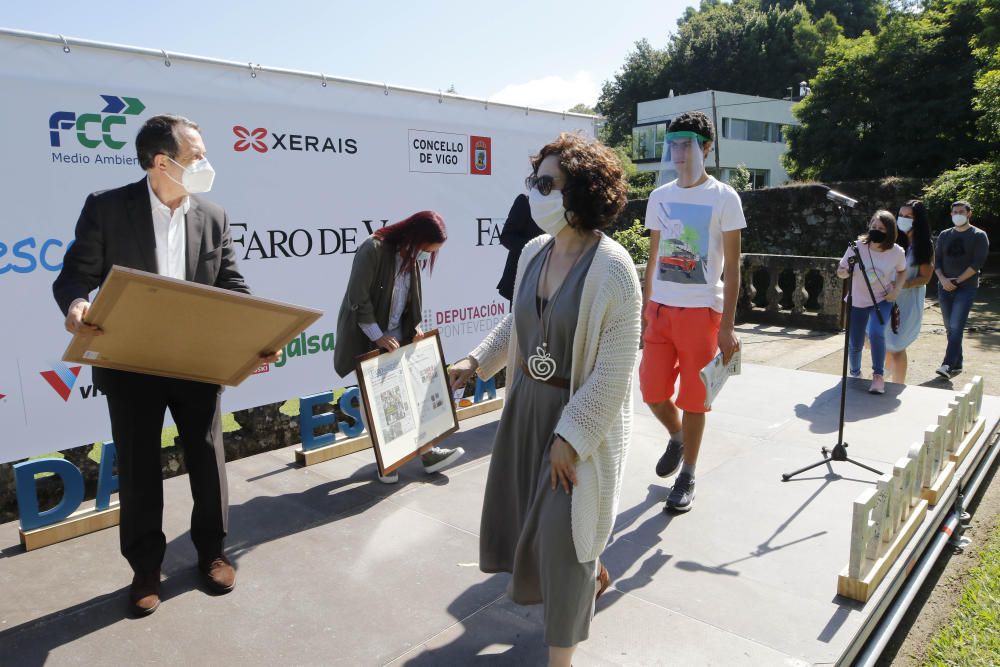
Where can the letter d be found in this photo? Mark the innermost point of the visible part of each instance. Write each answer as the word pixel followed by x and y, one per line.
pixel 107 481
pixel 27 491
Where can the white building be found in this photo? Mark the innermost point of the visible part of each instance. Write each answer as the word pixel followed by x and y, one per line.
pixel 749 131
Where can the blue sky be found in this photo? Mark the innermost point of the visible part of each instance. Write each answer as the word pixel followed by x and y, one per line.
pixel 543 54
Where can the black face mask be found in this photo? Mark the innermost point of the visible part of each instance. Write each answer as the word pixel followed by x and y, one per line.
pixel 876 235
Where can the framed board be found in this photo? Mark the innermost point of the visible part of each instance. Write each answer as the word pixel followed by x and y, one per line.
pixel 174 328
pixel 407 400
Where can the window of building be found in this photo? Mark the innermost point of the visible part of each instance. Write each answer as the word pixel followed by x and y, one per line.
pixel 740 129
pixel 647 141
pixel 759 178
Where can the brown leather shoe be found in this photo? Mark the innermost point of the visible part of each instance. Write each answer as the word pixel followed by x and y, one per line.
pixel 219 574
pixel 144 593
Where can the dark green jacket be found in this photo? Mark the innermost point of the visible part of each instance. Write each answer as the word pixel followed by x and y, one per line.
pixel 368 299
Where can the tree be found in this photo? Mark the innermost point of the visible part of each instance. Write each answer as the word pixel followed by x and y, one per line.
pixel 740 180
pixel 582 108
pixel 634 83
pixel 854 16
pixel 897 103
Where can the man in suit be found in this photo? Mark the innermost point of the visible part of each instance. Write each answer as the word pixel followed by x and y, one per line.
pixel 160 225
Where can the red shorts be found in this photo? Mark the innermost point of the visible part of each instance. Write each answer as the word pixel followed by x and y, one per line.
pixel 677 341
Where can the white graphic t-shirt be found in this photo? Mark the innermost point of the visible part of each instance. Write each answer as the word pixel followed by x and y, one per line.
pixel 688 269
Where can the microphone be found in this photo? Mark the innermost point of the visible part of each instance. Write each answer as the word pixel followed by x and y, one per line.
pixel 840 198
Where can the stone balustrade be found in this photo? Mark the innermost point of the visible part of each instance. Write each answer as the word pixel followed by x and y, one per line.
pixel 789 290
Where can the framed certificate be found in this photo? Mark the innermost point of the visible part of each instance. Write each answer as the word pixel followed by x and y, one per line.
pixel 174 328
pixel 407 400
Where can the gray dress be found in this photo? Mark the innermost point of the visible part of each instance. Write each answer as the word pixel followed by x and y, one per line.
pixel 526 527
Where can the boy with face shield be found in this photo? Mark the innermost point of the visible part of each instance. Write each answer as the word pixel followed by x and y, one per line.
pixel 689 295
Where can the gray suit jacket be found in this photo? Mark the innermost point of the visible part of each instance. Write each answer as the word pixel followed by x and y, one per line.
pixel 116 227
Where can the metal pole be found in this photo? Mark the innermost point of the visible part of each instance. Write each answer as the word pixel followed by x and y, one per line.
pixel 718 136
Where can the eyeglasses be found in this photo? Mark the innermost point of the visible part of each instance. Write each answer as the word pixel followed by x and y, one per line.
pixel 544 184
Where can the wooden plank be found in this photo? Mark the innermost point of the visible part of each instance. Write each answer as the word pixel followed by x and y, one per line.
pixel 79 523
pixel 308 457
pixel 174 328
pixel 480 408
pixel 969 442
pixel 862 589
pixel 934 493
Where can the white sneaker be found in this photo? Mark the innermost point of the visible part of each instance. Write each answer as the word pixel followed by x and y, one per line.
pixel 944 371
pixel 391 478
pixel 439 457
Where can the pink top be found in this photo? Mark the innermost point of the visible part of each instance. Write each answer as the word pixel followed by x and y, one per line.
pixel 881 266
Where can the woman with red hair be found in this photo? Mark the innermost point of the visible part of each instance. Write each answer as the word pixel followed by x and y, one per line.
pixel 382 306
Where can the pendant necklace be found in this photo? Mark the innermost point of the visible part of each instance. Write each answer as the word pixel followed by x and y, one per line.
pixel 541 365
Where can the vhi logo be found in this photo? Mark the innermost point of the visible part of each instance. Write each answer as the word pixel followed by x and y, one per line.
pixel 257 140
pixel 62 378
pixel 94 129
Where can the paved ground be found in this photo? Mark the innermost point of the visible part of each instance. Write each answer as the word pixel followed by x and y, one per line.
pixel 337 569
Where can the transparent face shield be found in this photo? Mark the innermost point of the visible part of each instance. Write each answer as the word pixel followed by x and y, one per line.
pixel 684 155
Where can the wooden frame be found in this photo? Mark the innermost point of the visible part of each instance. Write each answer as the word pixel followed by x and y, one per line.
pixel 175 328
pixel 391 383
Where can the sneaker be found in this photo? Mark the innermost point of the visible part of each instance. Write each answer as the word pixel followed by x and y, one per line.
pixel 854 374
pixel 682 494
pixel 671 459
pixel 439 457
pixel 391 478
pixel 878 385
pixel 944 371
pixel 954 371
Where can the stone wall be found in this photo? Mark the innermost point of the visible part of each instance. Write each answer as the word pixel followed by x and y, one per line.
pixel 799 220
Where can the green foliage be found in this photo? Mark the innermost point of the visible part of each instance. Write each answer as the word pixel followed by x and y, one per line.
pixel 635 240
pixel 855 16
pixel 641 184
pixel 971 637
pixel 582 108
pixel 979 184
pixel 747 46
pixel 895 103
pixel 636 82
pixel 741 179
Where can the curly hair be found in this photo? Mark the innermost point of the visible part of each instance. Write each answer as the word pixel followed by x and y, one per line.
pixel 595 191
pixel 693 121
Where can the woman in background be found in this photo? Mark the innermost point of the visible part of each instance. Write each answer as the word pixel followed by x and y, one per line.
pixel 885 264
pixel 915 239
pixel 382 307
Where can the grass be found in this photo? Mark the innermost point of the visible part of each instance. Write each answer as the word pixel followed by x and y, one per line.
pixel 972 637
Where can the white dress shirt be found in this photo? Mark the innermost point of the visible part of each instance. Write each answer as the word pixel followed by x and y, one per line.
pixel 170 233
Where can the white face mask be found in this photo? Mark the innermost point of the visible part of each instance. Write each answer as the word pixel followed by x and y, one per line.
pixel 958 219
pixel 547 211
pixel 197 178
pixel 904 224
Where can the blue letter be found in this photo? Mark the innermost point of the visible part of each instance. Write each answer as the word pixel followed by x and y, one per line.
pixel 308 421
pixel 347 405
pixel 107 481
pixel 27 492
pixel 489 387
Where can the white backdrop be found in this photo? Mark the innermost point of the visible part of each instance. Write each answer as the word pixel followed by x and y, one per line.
pixel 300 168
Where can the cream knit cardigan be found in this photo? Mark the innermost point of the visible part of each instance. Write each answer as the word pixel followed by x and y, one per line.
pixel 597 420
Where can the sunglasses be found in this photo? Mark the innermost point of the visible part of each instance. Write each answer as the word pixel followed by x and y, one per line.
pixel 544 184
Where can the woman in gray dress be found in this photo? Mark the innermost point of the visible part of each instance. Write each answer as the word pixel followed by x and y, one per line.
pixel 569 345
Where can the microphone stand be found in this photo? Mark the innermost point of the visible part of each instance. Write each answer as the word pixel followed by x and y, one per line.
pixel 839 451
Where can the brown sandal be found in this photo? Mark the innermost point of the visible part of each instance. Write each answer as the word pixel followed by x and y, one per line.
pixel 604 579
